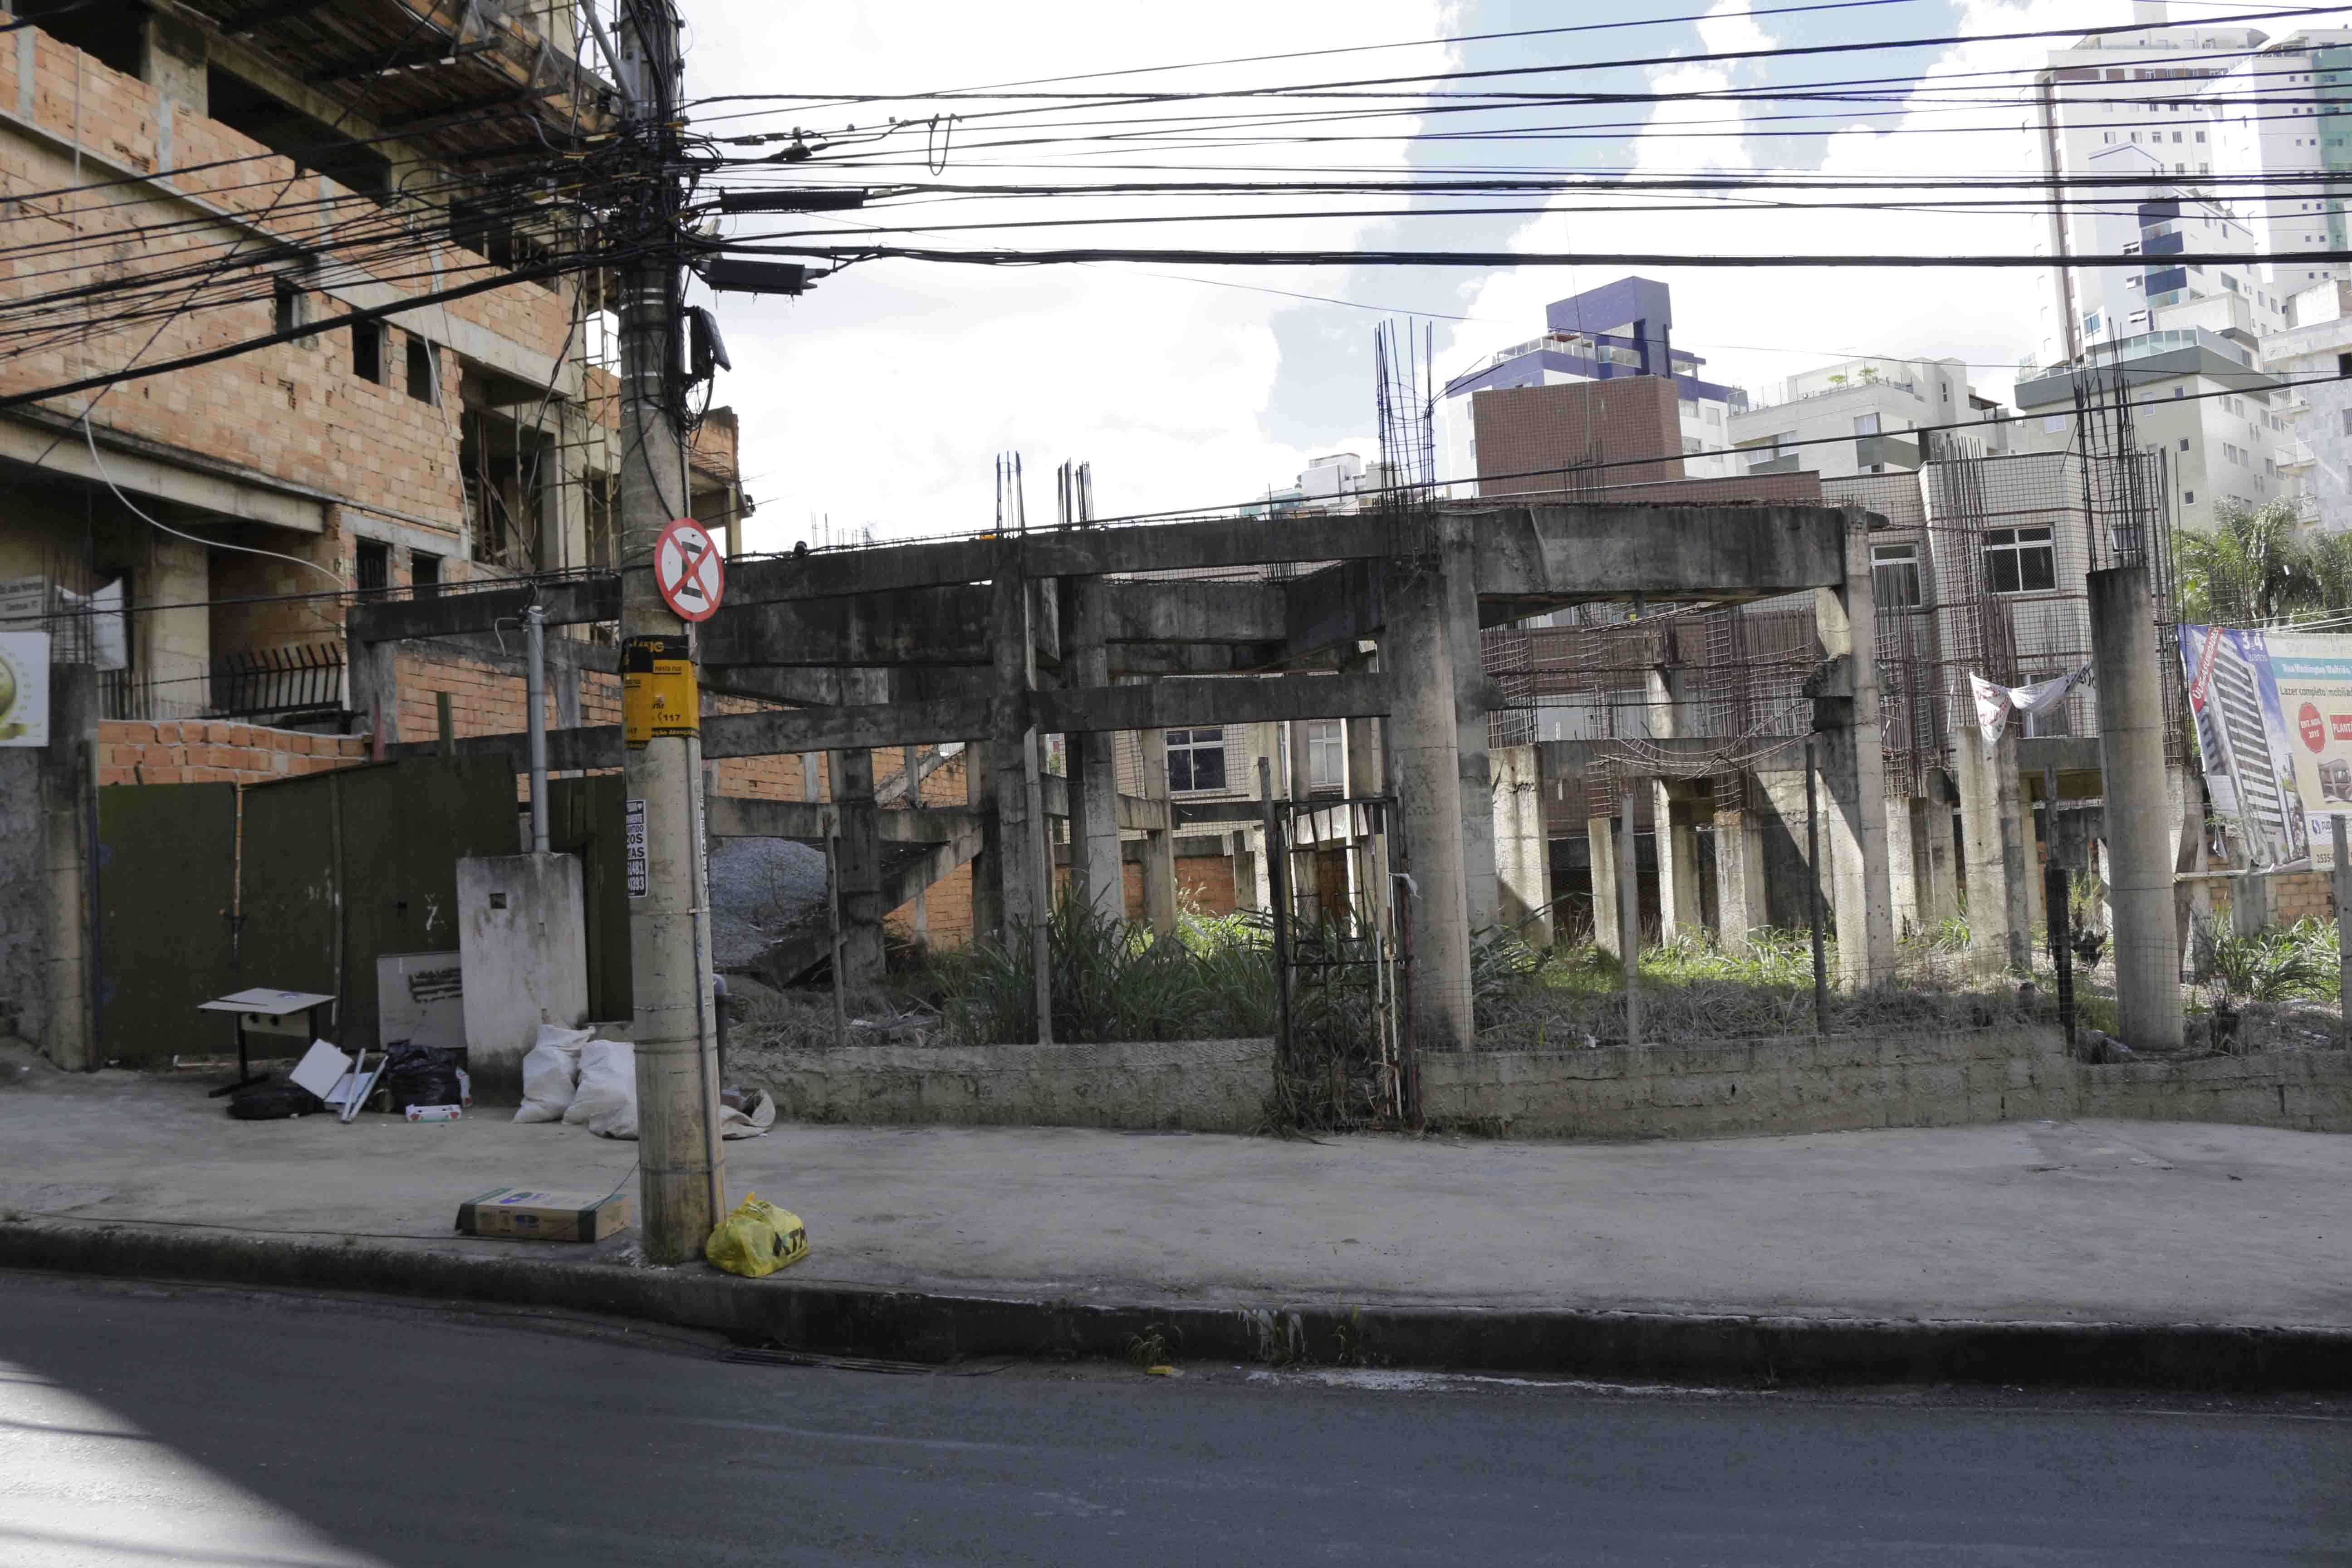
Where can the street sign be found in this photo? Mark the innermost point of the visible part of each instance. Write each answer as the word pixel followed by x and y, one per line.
pixel 689 569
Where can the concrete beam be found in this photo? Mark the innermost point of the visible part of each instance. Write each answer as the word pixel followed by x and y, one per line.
pixel 1179 704
pixel 753 817
pixel 846 685
pixel 463 609
pixel 903 626
pixel 1135 814
pixel 1195 612
pixel 1550 555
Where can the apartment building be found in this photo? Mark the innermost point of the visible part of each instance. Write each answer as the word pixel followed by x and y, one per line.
pixel 1862 417
pixel 2198 396
pixel 1604 341
pixel 2314 456
pixel 217 172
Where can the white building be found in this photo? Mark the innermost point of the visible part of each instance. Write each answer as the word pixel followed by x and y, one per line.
pixel 2197 396
pixel 1856 416
pixel 2315 457
pixel 2219 123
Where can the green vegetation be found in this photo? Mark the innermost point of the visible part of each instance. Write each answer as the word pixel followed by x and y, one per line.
pixel 2259 567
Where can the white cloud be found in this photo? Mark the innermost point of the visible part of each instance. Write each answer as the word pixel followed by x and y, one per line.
pixel 1754 326
pixel 882 397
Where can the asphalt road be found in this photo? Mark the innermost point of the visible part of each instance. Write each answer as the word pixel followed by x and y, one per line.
pixel 154 1425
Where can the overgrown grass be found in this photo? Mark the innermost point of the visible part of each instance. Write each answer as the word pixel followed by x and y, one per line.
pixel 1109 980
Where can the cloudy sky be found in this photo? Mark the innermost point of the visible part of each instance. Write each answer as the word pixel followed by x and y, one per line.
pixel 881 399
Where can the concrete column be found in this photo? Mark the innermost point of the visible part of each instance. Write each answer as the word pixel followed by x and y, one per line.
pixel 860 862
pixel 1852 770
pixel 1677 852
pixel 375 688
pixel 1027 887
pixel 1901 867
pixel 1366 777
pixel 1249 873
pixel 1992 835
pixel 918 911
pixel 2139 843
pixel 1095 874
pixel 1740 905
pixel 1423 741
pixel 1159 844
pixel 1601 850
pixel 1457 552
pixel 2250 903
pixel 1931 839
pixel 69 798
pixel 988 865
pixel 2029 822
pixel 1522 854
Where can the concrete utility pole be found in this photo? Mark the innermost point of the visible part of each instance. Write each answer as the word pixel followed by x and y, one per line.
pixel 682 1187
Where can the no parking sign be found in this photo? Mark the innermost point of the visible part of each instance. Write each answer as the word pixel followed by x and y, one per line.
pixel 689 569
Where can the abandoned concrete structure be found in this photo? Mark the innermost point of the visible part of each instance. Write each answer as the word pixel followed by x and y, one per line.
pixel 1370 620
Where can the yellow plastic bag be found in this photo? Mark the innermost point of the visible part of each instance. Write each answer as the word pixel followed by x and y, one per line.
pixel 757 1239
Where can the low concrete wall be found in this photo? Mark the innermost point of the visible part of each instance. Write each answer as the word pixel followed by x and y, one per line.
pixel 1201 1085
pixel 1767 1087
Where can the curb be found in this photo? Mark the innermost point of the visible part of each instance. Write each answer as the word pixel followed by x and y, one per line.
pixel 930 1326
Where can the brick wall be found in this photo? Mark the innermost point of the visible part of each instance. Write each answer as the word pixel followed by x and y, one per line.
pixel 1527 435
pixel 295 410
pixel 215 751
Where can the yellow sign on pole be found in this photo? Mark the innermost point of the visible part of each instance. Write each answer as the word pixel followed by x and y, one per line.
pixel 659 695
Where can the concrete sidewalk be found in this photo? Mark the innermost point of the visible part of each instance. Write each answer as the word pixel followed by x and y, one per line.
pixel 2145 1225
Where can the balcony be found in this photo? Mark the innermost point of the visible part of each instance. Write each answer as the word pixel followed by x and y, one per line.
pixel 1786 463
pixel 1890 451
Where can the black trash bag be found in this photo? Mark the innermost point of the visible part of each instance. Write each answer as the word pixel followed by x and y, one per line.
pixel 273 1101
pixel 420 1075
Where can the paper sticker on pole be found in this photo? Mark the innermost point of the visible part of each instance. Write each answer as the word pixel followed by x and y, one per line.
pixel 689 569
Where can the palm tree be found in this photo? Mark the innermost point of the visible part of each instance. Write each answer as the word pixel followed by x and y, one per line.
pixel 2250 570
pixel 2331 569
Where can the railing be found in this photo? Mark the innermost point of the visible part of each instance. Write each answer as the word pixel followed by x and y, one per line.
pixel 286 683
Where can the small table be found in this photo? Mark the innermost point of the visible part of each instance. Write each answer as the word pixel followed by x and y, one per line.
pixel 264 1011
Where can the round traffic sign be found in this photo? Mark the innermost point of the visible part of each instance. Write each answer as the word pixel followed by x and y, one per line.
pixel 689 569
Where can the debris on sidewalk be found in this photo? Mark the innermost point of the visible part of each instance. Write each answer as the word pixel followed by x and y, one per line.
pixel 533 1216
pixel 757 1239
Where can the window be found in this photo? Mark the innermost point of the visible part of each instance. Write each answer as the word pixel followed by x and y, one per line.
pixel 2020 561
pixel 1894 575
pixel 425 574
pixel 1196 758
pixel 1865 423
pixel 424 371
pixel 367 351
pixel 2184 443
pixel 287 314
pixel 1327 755
pixel 2188 497
pixel 2348 421
pixel 374 569
pixel 1690 447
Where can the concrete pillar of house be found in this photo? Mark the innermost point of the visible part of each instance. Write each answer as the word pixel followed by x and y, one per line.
pixel 1423 741
pixel 1249 881
pixel 1739 904
pixel 1158 843
pixel 69 769
pixel 859 860
pixel 1096 875
pixel 2192 895
pixel 2250 903
pixel 1522 855
pixel 1457 553
pixel 1677 851
pixel 1600 846
pixel 1931 839
pixel 2030 817
pixel 375 673
pixel 1367 777
pixel 2139 844
pixel 1992 835
pixel 173 57
pixel 1852 770
pixel 1901 867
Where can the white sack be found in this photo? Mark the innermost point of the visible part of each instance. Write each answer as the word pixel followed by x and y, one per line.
pixel 551 1073
pixel 608 1101
pixel 759 1114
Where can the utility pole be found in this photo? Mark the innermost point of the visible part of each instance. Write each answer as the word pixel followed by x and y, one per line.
pixel 682 1184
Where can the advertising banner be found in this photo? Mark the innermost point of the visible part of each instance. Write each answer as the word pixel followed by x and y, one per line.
pixel 24 688
pixel 2266 706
